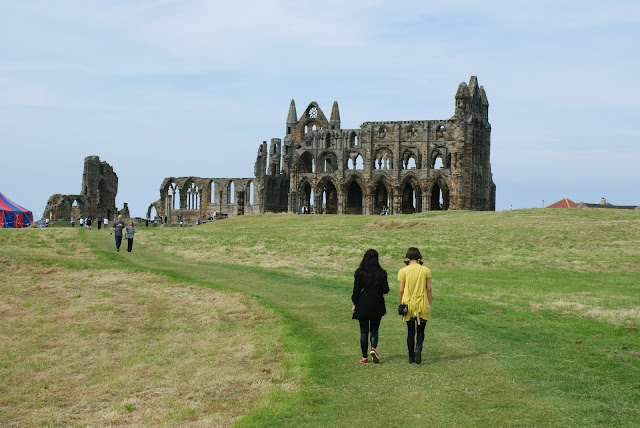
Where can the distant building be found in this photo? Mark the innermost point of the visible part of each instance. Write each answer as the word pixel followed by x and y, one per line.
pixel 568 203
pixel 563 203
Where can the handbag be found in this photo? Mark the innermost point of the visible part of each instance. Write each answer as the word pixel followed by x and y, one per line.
pixel 403 309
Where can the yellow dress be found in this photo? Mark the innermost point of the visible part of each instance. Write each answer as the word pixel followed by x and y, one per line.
pixel 415 277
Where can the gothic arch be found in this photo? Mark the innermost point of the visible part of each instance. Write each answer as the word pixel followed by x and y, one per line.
pixel 411 194
pixel 328 162
pixel 410 158
pixel 305 163
pixel 383 159
pixel 192 194
pixel 439 194
pixel 354 191
pixel 442 153
pixel 382 194
pixel 326 193
pixel 305 192
pixel 353 140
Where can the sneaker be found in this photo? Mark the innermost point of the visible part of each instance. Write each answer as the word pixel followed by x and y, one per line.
pixel 363 361
pixel 374 356
pixel 418 357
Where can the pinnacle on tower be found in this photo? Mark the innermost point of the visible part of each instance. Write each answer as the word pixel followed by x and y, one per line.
pixel 335 116
pixel 292 117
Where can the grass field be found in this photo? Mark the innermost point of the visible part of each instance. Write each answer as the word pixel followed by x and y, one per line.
pixel 536 319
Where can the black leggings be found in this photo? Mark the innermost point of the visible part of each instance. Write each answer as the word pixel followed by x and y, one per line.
pixel 411 334
pixel 366 327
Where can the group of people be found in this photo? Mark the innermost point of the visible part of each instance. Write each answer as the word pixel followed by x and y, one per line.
pixel 303 209
pixel 414 295
pixel 385 210
pixel 87 222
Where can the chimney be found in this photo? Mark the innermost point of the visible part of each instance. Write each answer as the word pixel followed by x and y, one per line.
pixel 603 201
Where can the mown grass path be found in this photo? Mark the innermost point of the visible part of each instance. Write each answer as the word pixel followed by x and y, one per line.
pixel 484 364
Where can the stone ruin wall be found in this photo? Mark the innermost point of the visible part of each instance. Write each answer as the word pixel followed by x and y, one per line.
pixel 96 198
pixel 407 166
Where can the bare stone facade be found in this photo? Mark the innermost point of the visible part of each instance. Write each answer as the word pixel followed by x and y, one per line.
pixel 97 197
pixel 403 166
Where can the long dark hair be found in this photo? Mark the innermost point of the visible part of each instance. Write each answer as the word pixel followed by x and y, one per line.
pixel 370 269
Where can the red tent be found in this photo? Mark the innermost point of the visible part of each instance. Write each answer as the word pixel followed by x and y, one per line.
pixel 13 215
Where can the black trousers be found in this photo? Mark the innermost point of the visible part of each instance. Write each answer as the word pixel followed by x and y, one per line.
pixel 118 241
pixel 368 327
pixel 129 244
pixel 417 333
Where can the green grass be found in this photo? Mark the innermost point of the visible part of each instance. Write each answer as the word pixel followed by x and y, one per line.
pixel 535 316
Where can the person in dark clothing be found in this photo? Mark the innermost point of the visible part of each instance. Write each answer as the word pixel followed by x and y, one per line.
pixel 369 286
pixel 118 225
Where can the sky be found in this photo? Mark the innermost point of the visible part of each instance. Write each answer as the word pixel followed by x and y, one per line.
pixel 162 88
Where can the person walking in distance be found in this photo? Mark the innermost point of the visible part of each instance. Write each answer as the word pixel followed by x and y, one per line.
pixel 369 286
pixel 415 292
pixel 118 225
pixel 130 230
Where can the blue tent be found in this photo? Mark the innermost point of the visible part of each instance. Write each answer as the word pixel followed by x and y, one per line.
pixel 13 215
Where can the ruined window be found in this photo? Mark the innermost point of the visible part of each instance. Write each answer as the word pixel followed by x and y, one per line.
pixel 305 164
pixel 313 112
pixel 231 197
pixel 357 162
pixel 173 194
pixel 353 140
pixel 440 131
pixel 437 163
pixel 250 191
pixel 288 130
pixel 411 132
pixel 410 162
pixel 212 192
pixel 382 132
pixel 327 140
pixel 193 197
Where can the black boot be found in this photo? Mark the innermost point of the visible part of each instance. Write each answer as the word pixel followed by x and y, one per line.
pixel 412 358
pixel 418 356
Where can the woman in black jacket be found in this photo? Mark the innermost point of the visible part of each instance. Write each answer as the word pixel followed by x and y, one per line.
pixel 369 285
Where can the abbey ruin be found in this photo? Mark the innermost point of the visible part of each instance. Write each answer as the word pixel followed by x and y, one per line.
pixel 96 198
pixel 406 167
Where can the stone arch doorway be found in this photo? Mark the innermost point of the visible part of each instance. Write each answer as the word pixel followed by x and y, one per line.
pixel 329 198
pixel 305 195
pixel 411 199
pixel 380 197
pixel 354 198
pixel 439 199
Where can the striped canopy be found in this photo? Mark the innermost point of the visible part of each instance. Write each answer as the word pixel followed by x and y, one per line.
pixel 13 215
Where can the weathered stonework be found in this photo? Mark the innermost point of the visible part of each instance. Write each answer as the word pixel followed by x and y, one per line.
pixel 97 197
pixel 406 166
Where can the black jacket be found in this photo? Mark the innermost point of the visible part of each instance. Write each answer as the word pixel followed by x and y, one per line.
pixel 369 301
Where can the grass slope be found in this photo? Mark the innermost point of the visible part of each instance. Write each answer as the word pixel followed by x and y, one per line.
pixel 535 318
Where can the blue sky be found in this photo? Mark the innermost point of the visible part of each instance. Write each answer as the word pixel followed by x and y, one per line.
pixel 176 88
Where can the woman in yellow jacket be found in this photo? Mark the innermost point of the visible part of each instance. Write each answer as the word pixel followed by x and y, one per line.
pixel 415 292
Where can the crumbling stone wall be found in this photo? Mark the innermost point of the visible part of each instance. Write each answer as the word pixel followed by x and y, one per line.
pixel 405 166
pixel 97 197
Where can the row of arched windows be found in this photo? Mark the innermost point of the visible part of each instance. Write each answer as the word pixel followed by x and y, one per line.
pixel 383 161
pixel 193 195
